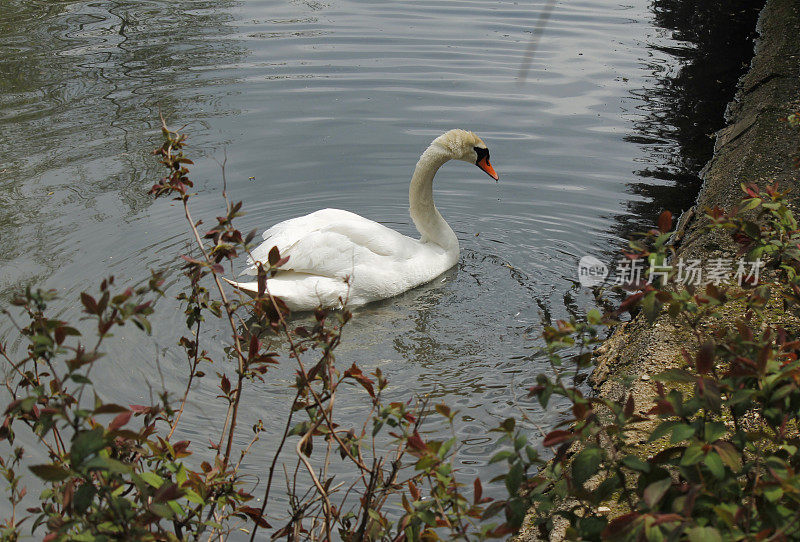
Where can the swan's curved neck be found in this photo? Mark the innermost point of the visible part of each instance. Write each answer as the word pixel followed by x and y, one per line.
pixel 426 216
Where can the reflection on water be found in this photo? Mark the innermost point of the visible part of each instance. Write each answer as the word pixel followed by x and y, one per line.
pixel 682 105
pixel 329 104
pixel 81 84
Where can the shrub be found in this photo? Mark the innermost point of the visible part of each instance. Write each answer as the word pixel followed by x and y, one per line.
pixel 726 424
pixel 119 472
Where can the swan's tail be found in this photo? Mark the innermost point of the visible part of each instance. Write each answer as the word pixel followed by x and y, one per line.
pixel 249 288
pixel 301 292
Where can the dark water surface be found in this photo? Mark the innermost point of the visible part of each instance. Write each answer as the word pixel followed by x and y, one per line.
pixel 329 104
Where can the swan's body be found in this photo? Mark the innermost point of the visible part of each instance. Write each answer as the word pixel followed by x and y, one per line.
pixel 337 256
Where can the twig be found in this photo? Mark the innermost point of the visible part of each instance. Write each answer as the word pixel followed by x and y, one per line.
pixel 189 383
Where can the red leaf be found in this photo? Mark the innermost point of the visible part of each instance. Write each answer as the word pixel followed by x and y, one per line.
pixel 225 385
pixel 704 361
pixel 89 302
pixel 750 189
pixel 478 490
pixel 556 437
pixel 662 407
pixel 630 302
pixel 665 222
pixel 168 492
pixel 191 260
pixel 180 446
pixel 629 406
pixel 120 420
pixel 255 344
pixel 261 278
pixel 416 443
pixel 255 515
pixel 355 373
pixel 415 494
pixel 619 525
pixel 274 256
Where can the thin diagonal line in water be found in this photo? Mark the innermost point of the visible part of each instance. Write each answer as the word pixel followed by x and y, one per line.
pixel 527 60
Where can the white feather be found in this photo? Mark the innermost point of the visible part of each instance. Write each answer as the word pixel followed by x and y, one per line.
pixel 336 256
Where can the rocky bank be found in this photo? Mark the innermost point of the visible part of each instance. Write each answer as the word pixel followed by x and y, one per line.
pixel 757 147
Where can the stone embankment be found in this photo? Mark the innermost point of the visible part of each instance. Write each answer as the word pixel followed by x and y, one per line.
pixel 756 147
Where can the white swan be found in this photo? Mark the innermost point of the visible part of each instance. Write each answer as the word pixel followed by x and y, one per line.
pixel 336 255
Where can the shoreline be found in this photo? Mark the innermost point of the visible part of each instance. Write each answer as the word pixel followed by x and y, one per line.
pixel 754 147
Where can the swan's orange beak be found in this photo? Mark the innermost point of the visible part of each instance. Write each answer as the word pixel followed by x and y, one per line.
pixel 484 164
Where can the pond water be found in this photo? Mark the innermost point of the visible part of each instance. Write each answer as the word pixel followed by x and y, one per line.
pixel 329 104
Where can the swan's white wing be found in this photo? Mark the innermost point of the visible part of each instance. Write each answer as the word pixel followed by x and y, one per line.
pixel 329 242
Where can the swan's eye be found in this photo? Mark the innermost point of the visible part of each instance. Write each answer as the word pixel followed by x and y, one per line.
pixel 482 153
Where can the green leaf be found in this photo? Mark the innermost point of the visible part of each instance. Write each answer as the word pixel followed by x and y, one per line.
pixel 656 490
pixel 714 431
pixel 591 527
pixel 300 429
pixel 426 462
pixel 514 478
pixel 161 510
pixel 50 473
pixel 714 464
pixel 585 465
pixel 751 203
pixel 727 512
pixel 84 496
pixel 144 324
pixel 425 515
pixel 651 306
pixel 681 432
pixel 594 317
pixel 729 455
pixel 85 444
pixel 634 463
pixel 501 455
pixel 773 493
pixel 653 532
pixel 703 534
pixel 180 475
pixel 152 478
pixel 692 455
pixel 446 447
pixel 606 488
pixel 515 512
pixel 508 425
pixel 177 509
pixel 192 496
pixel 106 463
pixel 662 429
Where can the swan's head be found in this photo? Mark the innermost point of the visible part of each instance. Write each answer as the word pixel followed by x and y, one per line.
pixel 466 146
